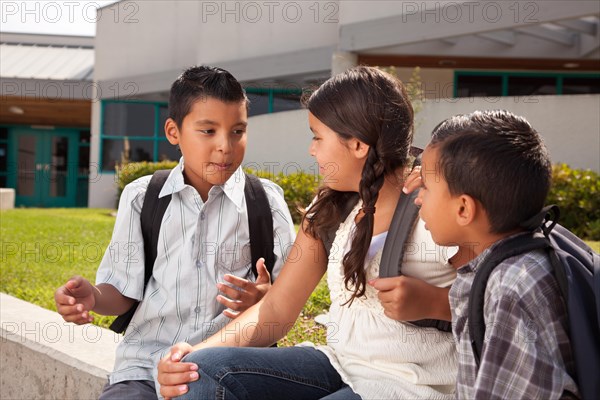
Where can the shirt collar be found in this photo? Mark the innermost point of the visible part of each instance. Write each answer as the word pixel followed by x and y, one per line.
pixel 175 182
pixel 474 264
pixel 233 188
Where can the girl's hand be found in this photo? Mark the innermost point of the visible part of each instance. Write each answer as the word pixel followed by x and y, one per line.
pixel 413 181
pixel 174 374
pixel 244 293
pixel 410 299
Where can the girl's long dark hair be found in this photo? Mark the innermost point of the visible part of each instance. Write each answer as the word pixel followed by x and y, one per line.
pixel 373 107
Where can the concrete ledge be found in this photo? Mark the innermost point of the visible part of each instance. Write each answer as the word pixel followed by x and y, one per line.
pixel 44 357
pixel 7 198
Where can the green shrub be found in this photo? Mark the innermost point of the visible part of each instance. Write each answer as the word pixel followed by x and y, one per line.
pixel 577 193
pixel 299 188
pixel 129 172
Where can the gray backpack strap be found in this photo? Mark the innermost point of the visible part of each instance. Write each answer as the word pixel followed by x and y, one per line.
pixel 400 229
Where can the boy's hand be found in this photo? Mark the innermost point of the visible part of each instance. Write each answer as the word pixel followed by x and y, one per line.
pixel 409 299
pixel 246 293
pixel 75 299
pixel 413 181
pixel 174 374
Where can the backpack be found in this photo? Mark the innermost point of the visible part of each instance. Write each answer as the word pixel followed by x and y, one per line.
pixel 260 223
pixel 577 272
pixel 401 226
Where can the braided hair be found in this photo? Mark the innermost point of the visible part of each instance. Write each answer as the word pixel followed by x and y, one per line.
pixel 373 107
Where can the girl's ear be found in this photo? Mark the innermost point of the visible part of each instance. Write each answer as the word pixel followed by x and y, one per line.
pixel 359 149
pixel 467 209
pixel 171 131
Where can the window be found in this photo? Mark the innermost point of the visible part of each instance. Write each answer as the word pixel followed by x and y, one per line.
pixel 265 101
pixel 495 84
pixel 479 86
pixel 577 85
pixel 531 86
pixel 134 131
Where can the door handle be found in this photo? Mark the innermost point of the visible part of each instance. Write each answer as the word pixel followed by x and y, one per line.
pixel 38 167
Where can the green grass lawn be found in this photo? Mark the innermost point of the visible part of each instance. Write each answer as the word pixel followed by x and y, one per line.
pixel 40 249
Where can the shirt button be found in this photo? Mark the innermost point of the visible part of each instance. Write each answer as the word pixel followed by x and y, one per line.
pixel 202 216
pixel 457 311
pixel 197 310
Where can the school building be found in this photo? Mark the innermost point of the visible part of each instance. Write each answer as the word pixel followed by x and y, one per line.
pixel 536 58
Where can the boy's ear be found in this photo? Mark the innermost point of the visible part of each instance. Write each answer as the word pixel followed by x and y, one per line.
pixel 172 131
pixel 467 209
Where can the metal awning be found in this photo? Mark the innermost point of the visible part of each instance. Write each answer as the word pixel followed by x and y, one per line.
pixel 547 29
pixel 25 59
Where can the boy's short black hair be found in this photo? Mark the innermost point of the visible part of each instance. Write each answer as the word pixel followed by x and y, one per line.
pixel 497 158
pixel 200 82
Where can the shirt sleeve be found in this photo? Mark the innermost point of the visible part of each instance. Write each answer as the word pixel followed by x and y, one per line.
pixel 284 233
pixel 123 263
pixel 519 357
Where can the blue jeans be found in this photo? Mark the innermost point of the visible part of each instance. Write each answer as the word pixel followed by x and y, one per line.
pixel 301 373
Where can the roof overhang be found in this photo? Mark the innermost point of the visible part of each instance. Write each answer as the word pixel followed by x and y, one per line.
pixel 542 29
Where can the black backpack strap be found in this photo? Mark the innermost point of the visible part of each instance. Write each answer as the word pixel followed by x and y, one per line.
pixel 260 223
pixel 511 247
pixel 151 216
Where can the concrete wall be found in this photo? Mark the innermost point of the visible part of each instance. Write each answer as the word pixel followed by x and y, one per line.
pixel 570 125
pixel 279 142
pixel 43 357
pixel 135 39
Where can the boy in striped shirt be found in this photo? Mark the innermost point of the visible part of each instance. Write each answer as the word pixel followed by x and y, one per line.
pixel 201 277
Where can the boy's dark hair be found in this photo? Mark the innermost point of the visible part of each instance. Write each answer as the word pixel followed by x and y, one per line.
pixel 200 82
pixel 497 158
pixel 372 106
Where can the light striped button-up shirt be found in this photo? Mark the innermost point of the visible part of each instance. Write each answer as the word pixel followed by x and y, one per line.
pixel 199 242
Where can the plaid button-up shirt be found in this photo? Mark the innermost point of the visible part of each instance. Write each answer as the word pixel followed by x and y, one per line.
pixel 526 353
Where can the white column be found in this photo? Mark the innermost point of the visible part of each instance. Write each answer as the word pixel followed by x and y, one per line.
pixel 342 61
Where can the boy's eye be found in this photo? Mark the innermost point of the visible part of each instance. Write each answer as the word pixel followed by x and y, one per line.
pixel 239 131
pixel 207 131
pixel 315 139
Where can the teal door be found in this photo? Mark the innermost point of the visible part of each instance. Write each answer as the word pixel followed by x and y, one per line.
pixel 46 167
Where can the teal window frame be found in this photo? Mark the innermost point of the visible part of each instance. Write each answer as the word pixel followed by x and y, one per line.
pixel 6 141
pixel 505 75
pixel 271 92
pixel 157 134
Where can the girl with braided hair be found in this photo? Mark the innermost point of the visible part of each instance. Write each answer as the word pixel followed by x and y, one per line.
pixel 362 122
